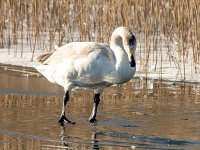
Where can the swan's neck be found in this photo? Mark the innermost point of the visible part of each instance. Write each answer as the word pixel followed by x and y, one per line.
pixel 117 45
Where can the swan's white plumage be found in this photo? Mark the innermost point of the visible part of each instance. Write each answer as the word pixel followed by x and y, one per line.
pixel 90 64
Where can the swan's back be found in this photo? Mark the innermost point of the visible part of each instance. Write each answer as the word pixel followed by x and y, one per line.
pixel 75 50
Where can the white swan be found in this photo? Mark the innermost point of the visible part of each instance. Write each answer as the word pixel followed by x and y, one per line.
pixel 91 65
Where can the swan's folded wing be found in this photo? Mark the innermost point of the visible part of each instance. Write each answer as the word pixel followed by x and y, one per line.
pixel 75 50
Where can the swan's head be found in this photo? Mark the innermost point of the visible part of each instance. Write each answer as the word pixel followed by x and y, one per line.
pixel 129 44
pixel 130 48
pixel 122 37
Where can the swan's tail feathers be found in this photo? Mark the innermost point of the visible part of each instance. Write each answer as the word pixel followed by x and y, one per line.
pixel 43 57
pixel 46 71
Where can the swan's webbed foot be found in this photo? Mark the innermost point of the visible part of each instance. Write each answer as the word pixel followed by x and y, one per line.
pixel 92 119
pixel 63 120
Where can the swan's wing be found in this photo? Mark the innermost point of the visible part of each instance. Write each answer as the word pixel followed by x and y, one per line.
pixel 76 50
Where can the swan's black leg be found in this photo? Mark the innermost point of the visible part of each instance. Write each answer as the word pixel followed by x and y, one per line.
pixel 94 111
pixel 63 119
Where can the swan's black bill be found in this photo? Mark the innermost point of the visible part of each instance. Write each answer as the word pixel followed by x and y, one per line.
pixel 132 63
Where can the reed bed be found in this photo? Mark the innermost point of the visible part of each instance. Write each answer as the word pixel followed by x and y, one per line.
pixel 39 24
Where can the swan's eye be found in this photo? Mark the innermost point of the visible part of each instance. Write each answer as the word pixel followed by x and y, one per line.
pixel 132 41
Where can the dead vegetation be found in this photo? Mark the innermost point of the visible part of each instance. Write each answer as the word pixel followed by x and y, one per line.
pixel 40 24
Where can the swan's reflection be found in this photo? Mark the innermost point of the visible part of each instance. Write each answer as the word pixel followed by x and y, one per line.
pixel 66 143
pixel 63 138
pixel 95 142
